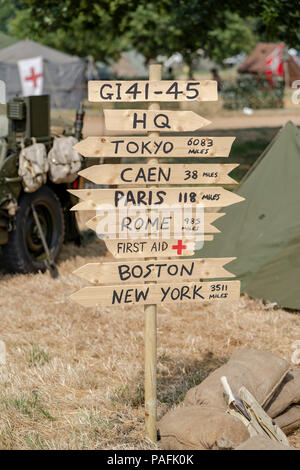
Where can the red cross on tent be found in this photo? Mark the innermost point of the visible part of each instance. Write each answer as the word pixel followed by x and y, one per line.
pixel 33 77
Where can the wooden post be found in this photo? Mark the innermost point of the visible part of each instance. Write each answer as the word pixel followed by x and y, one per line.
pixel 151 320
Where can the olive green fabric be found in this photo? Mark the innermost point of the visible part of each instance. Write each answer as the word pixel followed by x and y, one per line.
pixel 263 231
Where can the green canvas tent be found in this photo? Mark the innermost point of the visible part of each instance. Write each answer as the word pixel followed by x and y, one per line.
pixel 263 231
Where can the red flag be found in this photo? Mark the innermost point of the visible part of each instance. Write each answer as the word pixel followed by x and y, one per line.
pixel 274 63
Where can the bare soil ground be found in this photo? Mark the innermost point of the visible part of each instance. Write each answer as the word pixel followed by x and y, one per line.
pixel 74 376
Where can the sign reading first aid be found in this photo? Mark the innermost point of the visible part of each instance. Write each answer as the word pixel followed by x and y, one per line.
pixel 31 76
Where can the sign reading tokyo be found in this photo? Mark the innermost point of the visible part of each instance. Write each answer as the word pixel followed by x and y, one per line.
pixel 157 90
pixel 136 146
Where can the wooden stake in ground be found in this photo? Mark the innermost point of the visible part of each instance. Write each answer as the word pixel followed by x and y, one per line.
pixel 151 320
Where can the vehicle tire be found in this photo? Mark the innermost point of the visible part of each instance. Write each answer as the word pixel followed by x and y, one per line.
pixel 24 252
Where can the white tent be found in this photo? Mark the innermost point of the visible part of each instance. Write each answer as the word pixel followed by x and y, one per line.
pixel 63 74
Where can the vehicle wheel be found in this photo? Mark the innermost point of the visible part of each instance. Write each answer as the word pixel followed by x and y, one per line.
pixel 24 251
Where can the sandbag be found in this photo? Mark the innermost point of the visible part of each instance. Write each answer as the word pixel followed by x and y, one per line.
pixel 261 372
pixel 64 161
pixel 200 427
pixel 262 443
pixel 287 394
pixel 33 167
pixel 289 421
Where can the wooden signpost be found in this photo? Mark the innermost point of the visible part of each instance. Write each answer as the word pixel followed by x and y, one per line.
pixel 146 243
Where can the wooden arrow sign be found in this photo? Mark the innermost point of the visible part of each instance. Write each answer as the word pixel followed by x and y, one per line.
pixel 173 147
pixel 156 90
pixel 146 247
pixel 163 223
pixel 199 292
pixel 137 120
pixel 160 174
pixel 154 271
pixel 154 198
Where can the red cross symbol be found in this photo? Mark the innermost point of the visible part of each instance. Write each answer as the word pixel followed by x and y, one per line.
pixel 33 76
pixel 179 247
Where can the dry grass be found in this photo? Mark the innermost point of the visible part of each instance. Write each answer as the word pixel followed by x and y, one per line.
pixel 74 376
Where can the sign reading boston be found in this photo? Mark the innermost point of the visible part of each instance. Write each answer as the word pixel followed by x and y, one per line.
pixel 156 271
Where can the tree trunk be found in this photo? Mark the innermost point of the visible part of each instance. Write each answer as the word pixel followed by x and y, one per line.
pixel 189 63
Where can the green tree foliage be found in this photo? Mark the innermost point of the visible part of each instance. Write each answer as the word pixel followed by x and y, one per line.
pixel 104 28
pixel 82 33
pixel 7 12
pixel 237 36
pixel 278 20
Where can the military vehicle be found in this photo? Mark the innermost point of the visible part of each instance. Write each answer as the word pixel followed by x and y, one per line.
pixel 33 225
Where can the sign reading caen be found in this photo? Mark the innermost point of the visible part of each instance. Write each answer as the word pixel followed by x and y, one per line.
pixel 154 271
pixel 173 147
pixel 158 90
pixel 160 174
pixel 200 292
pixel 162 223
pixel 136 120
pixel 156 197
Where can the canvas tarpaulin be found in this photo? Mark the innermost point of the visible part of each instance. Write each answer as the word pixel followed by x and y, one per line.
pixel 205 421
pixel 266 59
pixel 263 231
pixel 64 75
